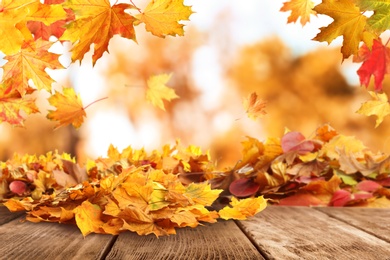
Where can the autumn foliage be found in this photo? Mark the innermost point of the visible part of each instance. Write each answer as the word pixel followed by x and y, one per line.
pixel 176 187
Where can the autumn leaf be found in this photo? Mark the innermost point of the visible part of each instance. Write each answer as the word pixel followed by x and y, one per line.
pixel 162 17
pixel 349 144
pixel 348 22
pixel 31 62
pixel 242 209
pixel 376 62
pixel 96 22
pixel 41 30
pixel 14 108
pixel 157 91
pixel 13 21
pixel 380 20
pixel 379 106
pixel 299 9
pixel 254 107
pixel 69 110
pixel 201 193
pixel 88 218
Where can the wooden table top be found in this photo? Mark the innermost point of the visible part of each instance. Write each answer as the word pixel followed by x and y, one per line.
pixel 275 233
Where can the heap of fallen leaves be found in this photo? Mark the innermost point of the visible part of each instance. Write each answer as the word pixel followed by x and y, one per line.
pixel 181 187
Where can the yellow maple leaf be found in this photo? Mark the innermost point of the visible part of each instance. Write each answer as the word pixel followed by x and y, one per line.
pixel 349 144
pixel 88 218
pixel 299 9
pixel 96 22
pixel 379 106
pixel 70 110
pixel 201 193
pixel 348 22
pixel 30 63
pixel 157 90
pixel 13 107
pixel 242 209
pixel 161 17
pixel 254 107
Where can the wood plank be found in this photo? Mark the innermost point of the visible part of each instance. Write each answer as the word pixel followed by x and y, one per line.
pixel 7 216
pixel 222 240
pixel 50 241
pixel 372 220
pixel 305 233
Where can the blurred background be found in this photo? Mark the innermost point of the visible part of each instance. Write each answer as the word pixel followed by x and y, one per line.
pixel 230 49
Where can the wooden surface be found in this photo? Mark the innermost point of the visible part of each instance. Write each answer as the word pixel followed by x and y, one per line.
pixel 275 233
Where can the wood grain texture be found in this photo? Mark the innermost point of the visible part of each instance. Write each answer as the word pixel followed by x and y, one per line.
pixel 222 240
pixel 7 216
pixel 371 220
pixel 305 233
pixel 49 241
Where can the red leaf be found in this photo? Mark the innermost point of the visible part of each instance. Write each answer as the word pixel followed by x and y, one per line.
pixel 243 187
pixel 375 62
pixel 302 199
pixel 295 141
pixel 368 186
pixel 340 198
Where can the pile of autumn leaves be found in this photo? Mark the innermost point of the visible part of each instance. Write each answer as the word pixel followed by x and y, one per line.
pixel 181 187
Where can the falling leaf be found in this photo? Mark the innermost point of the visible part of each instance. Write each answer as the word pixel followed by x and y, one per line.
pixel 375 63
pixel 157 91
pixel 299 9
pixel 162 17
pixel 31 63
pixel 254 107
pixel 14 108
pixel 69 110
pixel 13 21
pixel 379 21
pixel 242 209
pixel 96 22
pixel 379 106
pixel 348 22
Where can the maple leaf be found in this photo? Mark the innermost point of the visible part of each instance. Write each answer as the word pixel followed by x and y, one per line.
pixel 96 22
pixel 14 15
pixel 349 144
pixel 30 63
pixel 299 9
pixel 348 22
pixel 157 90
pixel 254 107
pixel 69 110
pixel 13 107
pixel 88 217
pixel 201 193
pixel 379 106
pixel 375 63
pixel 41 30
pixel 161 17
pixel 242 209
pixel 380 20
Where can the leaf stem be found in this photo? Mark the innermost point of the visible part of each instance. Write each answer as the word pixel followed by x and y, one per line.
pixel 388 40
pixel 100 99
pixel 139 10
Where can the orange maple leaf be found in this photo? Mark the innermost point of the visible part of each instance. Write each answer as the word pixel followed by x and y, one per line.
pixel 254 107
pixel 348 22
pixel 13 107
pixel 96 22
pixel 299 9
pixel 30 63
pixel 70 110
pixel 14 16
pixel 161 17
